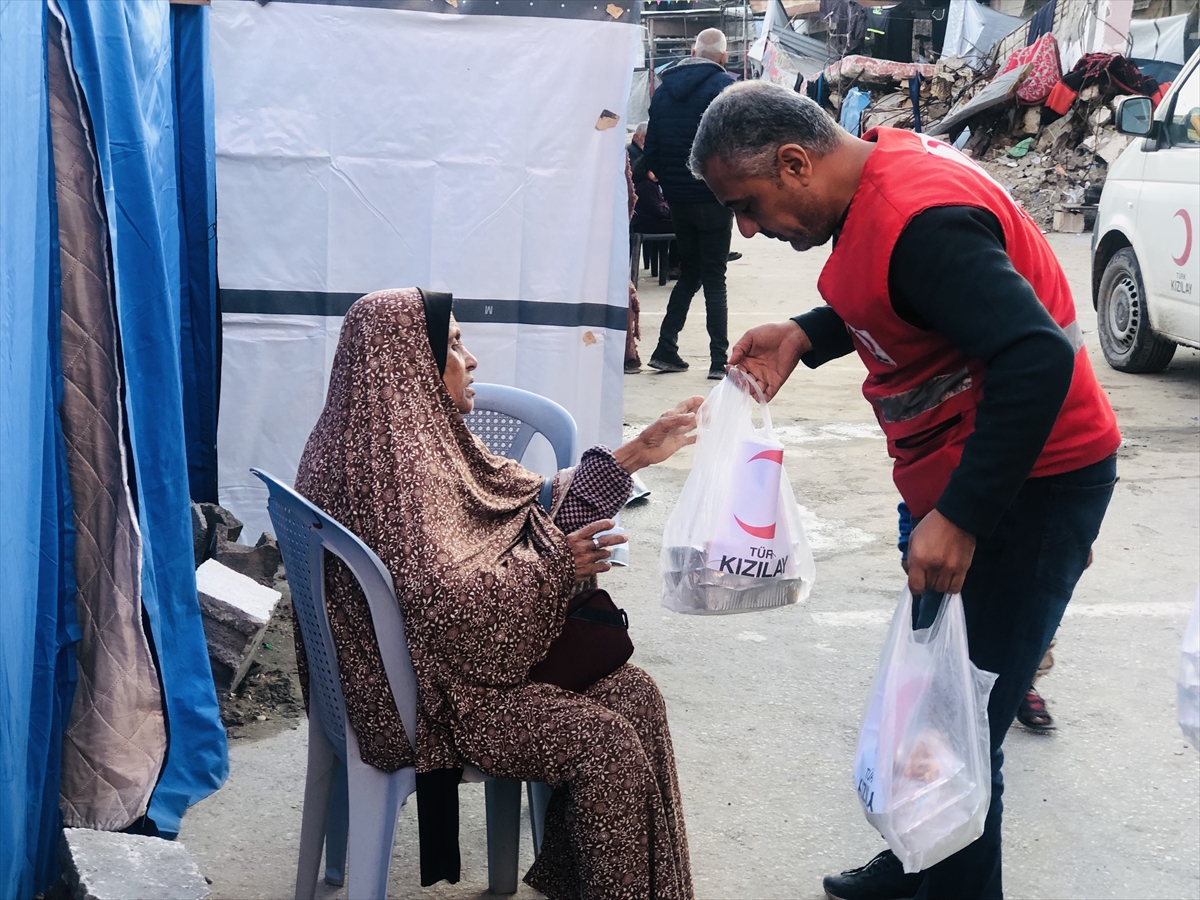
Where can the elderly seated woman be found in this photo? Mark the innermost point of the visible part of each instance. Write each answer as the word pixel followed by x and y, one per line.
pixel 483 576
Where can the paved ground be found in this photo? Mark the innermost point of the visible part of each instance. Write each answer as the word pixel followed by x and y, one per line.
pixel 765 707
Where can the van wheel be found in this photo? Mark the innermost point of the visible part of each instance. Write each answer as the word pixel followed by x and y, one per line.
pixel 1125 336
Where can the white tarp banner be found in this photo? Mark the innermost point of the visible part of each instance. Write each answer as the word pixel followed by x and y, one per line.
pixel 972 31
pixel 1159 39
pixel 367 145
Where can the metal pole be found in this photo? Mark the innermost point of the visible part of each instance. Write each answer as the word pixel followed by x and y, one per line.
pixel 745 42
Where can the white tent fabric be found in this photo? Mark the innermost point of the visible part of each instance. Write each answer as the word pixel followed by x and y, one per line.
pixel 973 30
pixel 1159 39
pixel 362 147
pixel 773 17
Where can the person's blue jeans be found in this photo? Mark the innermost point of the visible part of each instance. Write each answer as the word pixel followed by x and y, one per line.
pixel 1016 590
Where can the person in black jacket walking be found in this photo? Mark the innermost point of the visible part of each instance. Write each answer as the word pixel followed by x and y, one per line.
pixel 702 225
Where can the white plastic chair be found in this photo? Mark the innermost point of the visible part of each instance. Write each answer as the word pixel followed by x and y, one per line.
pixel 304 533
pixel 506 419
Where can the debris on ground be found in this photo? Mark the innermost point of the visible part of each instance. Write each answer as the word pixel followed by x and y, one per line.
pixel 265 697
pixel 269 699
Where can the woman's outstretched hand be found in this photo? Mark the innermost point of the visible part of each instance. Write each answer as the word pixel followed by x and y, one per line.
pixel 592 553
pixel 659 441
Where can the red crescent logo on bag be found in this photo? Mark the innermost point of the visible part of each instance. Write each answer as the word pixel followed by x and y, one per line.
pixel 1187 241
pixel 775 456
pixel 764 532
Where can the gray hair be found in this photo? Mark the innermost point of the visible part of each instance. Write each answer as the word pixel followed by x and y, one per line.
pixel 710 44
pixel 748 123
pixel 641 128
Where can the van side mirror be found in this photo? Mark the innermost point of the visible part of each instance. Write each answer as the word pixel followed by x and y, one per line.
pixel 1135 116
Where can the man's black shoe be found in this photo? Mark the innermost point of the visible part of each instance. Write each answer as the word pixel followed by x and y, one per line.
pixel 716 371
pixel 668 364
pixel 883 878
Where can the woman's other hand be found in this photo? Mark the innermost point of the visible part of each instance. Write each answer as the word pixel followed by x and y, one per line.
pixel 659 441
pixel 591 552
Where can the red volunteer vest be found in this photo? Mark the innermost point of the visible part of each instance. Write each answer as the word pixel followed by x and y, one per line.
pixel 923 389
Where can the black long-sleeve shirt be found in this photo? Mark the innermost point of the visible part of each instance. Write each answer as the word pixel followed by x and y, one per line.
pixel 950 273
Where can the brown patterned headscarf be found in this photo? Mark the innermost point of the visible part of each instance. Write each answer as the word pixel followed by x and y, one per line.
pixel 481 573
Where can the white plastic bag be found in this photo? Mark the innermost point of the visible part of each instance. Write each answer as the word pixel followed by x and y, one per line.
pixel 734 542
pixel 1187 690
pixel 923 768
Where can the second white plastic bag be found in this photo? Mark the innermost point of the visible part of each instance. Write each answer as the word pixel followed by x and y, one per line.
pixel 923 768
pixel 734 542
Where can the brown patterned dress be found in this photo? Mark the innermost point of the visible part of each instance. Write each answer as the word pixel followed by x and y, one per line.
pixel 483 576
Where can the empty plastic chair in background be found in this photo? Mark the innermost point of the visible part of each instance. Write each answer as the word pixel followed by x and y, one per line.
pixel 506 419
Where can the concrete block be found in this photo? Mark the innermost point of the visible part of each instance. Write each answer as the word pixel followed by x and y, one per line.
pixel 227 525
pixel 260 562
pixel 1100 117
pixel 1112 146
pixel 235 610
pixel 1068 221
pixel 106 865
pixel 1031 120
pixel 1054 136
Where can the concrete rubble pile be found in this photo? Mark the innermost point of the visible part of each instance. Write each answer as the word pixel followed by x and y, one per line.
pixel 240 589
pixel 1054 166
pixel 1059 174
pixel 953 81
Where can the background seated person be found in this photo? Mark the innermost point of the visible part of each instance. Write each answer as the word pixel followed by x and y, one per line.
pixel 651 214
pixel 483 576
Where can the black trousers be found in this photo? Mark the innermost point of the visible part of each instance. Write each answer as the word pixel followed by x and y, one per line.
pixel 702 233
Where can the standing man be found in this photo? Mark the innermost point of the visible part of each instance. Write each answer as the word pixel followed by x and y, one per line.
pixel 1003 440
pixel 702 225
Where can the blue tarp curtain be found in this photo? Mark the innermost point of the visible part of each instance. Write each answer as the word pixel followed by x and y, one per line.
pixel 37 603
pixel 200 320
pixel 123 58
pixel 144 72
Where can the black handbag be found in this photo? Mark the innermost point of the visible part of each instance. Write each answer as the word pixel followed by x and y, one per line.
pixel 594 643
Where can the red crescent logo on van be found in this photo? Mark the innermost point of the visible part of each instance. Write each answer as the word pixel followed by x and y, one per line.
pixel 766 532
pixel 1187 245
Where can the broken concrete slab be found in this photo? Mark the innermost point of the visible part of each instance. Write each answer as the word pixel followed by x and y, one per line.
pixel 235 611
pixel 106 865
pixel 1055 135
pixel 1100 117
pixel 261 562
pixel 1110 147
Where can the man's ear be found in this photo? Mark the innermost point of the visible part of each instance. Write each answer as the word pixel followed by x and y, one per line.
pixel 794 163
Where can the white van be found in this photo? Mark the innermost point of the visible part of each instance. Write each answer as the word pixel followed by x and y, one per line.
pixel 1145 258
